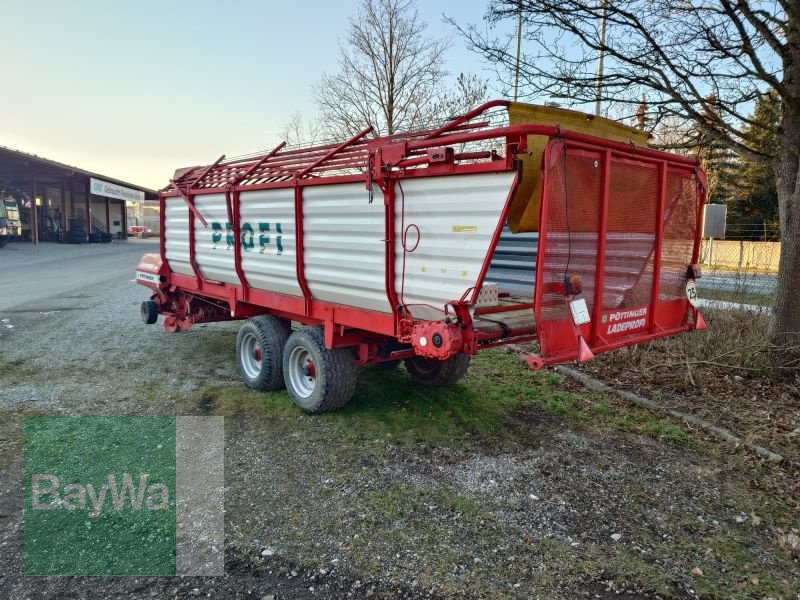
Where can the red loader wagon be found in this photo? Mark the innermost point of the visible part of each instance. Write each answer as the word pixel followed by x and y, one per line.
pixel 385 249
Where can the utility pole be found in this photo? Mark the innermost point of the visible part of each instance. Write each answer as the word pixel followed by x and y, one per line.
pixel 519 44
pixel 599 85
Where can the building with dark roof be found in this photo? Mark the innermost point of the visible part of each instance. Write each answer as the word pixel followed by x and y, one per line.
pixel 59 202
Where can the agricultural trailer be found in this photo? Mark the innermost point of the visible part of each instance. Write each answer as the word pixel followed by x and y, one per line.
pixel 376 250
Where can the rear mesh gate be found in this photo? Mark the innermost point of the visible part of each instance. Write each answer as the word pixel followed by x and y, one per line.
pixel 600 220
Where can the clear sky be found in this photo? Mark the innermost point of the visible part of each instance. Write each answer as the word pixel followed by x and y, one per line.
pixel 134 90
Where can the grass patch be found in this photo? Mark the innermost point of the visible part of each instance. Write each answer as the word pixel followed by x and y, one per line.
pixel 228 401
pixel 650 426
pixel 600 408
pixel 389 403
pixel 389 406
pixel 563 403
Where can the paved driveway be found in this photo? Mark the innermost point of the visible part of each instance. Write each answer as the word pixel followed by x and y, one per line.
pixel 39 276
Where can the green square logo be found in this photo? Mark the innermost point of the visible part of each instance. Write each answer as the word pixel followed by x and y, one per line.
pixel 100 496
pixel 605 318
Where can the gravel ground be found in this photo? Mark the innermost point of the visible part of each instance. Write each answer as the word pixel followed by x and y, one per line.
pixel 721 375
pixel 560 507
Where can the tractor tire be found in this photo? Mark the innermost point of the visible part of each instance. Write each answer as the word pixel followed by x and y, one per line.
pixel 259 352
pixel 318 379
pixel 149 312
pixel 429 371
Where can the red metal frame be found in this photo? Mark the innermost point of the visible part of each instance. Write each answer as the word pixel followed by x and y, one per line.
pixel 662 194
pixel 599 281
pixel 384 162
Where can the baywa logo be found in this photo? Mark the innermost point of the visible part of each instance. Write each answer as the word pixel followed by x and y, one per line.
pixel 47 494
pixel 100 496
pixel 124 496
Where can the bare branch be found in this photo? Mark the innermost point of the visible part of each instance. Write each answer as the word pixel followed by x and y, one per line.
pixel 389 71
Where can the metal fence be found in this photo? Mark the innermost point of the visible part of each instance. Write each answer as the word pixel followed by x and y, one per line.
pixel 740 271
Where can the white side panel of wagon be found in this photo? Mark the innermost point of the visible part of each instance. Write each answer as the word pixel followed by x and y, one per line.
pixel 213 249
pixel 456 216
pixel 268 240
pixel 344 249
pixel 176 235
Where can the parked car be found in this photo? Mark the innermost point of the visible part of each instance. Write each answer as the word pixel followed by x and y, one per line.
pixel 139 231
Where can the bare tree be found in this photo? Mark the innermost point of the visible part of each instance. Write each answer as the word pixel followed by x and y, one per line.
pixel 704 61
pixel 388 74
pixel 297 131
pixel 468 92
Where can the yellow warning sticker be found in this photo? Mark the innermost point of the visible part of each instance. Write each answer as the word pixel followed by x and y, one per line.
pixel 465 229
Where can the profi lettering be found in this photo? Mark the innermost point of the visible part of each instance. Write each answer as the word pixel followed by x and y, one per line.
pixel 247 237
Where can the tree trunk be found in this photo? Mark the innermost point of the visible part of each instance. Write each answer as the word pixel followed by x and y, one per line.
pixel 785 323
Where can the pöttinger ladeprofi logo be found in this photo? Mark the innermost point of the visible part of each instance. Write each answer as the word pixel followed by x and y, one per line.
pixel 106 496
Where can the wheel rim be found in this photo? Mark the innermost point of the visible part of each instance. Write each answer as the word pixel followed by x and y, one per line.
pixel 302 372
pixel 251 356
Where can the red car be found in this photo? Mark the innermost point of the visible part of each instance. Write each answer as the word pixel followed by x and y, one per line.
pixel 139 231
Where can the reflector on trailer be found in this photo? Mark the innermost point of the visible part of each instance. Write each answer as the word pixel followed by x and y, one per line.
pixel 584 353
pixel 699 321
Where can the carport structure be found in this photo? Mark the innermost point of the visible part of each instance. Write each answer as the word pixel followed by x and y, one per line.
pixel 56 198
